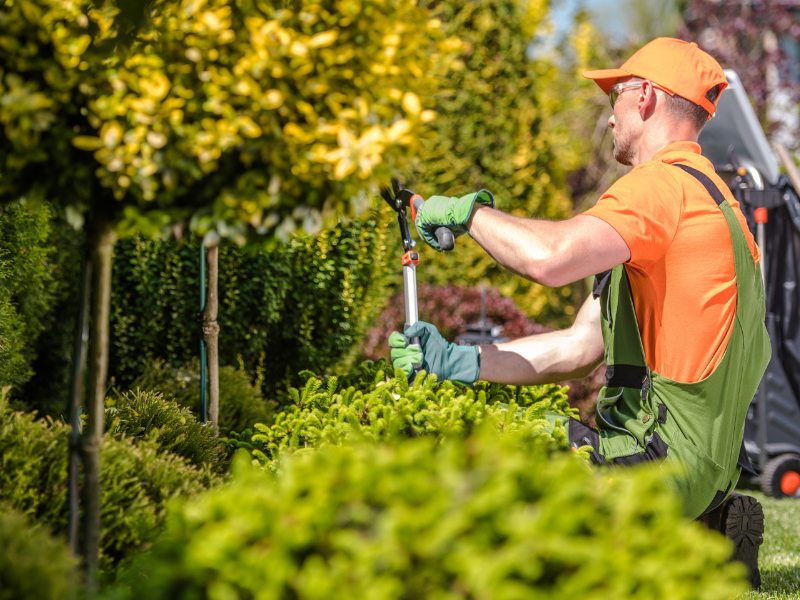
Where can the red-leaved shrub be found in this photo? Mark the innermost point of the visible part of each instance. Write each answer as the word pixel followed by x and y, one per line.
pixel 450 309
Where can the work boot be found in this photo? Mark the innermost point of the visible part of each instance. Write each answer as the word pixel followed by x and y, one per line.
pixel 740 518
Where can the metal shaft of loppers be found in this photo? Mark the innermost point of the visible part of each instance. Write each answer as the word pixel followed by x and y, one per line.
pixel 410 294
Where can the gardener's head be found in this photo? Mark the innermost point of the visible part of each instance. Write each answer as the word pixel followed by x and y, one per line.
pixel 666 92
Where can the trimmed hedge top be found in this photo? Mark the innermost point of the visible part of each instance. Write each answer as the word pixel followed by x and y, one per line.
pixel 391 410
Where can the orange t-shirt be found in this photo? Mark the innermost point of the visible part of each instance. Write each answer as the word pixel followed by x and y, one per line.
pixel 681 270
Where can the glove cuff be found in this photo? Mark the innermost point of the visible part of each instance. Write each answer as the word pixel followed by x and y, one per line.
pixel 484 197
pixel 466 363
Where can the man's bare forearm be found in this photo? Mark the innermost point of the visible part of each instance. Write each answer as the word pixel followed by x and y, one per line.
pixel 549 357
pixel 553 253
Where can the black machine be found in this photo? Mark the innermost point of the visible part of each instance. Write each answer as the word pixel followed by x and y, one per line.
pixel 735 143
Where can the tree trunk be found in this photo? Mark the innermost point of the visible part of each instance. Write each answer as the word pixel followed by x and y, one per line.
pixel 76 398
pixel 101 244
pixel 211 335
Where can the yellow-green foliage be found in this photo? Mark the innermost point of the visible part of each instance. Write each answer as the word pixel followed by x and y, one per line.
pixel 390 410
pixel 471 518
pixel 266 113
pixel 492 132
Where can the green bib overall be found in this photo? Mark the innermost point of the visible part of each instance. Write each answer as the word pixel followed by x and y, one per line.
pixel 643 416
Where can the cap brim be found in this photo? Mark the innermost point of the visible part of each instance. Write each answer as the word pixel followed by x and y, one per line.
pixel 605 78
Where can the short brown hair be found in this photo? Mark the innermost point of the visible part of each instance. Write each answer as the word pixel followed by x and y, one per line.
pixel 686 110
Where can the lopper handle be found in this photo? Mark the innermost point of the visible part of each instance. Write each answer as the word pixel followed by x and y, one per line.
pixel 445 237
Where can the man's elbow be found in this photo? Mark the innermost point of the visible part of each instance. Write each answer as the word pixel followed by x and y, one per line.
pixel 550 267
pixel 549 274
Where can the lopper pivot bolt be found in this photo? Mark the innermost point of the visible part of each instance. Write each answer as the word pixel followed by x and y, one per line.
pixel 401 200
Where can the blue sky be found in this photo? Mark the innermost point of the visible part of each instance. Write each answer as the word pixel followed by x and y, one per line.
pixel 564 10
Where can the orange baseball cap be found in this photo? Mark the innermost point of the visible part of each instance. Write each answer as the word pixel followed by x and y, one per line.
pixel 679 67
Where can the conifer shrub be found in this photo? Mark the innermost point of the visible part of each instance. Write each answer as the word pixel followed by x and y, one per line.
pixel 306 304
pixel 137 481
pixel 241 404
pixel 26 288
pixel 34 565
pixel 390 410
pixel 148 415
pixel 476 517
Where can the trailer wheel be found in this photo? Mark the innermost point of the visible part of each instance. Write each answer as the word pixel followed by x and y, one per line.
pixel 781 476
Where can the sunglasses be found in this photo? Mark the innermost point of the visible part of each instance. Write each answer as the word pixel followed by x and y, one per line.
pixel 618 88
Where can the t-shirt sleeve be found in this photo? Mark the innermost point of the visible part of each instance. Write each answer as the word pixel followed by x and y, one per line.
pixel 644 207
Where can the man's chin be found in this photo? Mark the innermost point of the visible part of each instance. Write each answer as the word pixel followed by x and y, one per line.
pixel 622 155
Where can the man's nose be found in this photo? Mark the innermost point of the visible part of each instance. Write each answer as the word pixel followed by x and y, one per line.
pixel 611 121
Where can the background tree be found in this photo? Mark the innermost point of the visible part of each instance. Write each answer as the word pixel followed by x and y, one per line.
pixel 495 104
pixel 759 41
pixel 241 118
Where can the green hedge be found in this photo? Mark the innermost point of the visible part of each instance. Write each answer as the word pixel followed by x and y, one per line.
pixel 137 481
pixel 391 410
pixel 241 404
pixel 471 518
pixel 33 564
pixel 303 305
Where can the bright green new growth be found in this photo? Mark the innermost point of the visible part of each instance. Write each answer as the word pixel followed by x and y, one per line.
pixel 464 519
pixel 33 564
pixel 391 410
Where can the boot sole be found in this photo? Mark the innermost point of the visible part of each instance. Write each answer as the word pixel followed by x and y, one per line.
pixel 743 524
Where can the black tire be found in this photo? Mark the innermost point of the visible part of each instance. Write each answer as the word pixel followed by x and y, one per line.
pixel 774 472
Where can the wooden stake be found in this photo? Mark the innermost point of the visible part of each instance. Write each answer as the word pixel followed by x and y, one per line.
pixel 211 335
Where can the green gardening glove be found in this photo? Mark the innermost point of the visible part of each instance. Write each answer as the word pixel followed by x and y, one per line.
pixel 453 213
pixel 446 361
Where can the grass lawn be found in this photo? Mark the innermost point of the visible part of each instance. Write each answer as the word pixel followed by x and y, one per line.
pixel 779 557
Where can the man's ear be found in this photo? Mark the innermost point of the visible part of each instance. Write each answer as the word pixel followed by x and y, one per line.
pixel 647 100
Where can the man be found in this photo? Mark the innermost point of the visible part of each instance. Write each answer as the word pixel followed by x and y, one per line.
pixel 678 306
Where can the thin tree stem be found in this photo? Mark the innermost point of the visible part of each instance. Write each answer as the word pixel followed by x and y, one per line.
pixel 101 240
pixel 76 399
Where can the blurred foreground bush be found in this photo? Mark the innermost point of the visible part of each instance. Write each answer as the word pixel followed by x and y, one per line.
pixel 390 411
pixel 305 305
pixel 33 564
pixel 479 517
pixel 137 479
pixel 241 405
pixel 450 308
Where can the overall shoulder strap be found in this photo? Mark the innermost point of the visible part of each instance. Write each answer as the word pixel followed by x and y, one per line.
pixel 742 257
pixel 706 182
